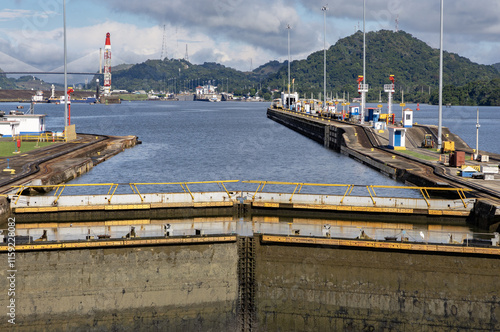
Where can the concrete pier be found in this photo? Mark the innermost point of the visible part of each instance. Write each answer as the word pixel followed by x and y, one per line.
pixel 58 163
pixel 365 145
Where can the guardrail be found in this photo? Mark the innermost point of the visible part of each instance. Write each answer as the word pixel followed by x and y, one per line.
pixel 261 184
pixel 349 187
pixel 114 186
pixel 45 137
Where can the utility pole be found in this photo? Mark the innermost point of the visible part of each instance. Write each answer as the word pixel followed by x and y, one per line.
pixel 288 27
pixel 324 9
pixel 363 94
pixel 477 134
pixel 440 115
pixel 65 69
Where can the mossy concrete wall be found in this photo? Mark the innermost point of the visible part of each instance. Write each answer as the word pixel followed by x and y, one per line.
pixel 174 288
pixel 301 288
pixel 198 287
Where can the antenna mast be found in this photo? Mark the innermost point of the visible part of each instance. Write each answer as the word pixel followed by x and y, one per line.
pixel 186 57
pixel 164 44
pixel 397 23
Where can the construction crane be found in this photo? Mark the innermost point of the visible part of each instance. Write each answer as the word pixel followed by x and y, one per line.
pixel 107 65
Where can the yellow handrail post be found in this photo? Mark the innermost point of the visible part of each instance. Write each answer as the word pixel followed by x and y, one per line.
pixel 190 193
pixel 132 188
pixel 296 186
pixel 19 194
pixel 60 193
pixel 110 188
pixel 348 187
pixel 373 200
pixel 256 191
pixel 138 193
pixel 352 187
pixel 116 187
pixel 300 188
pixel 227 192
pixel 424 192
pixel 461 193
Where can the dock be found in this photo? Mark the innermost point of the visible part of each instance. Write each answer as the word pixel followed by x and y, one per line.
pixel 58 163
pixel 252 254
pixel 416 166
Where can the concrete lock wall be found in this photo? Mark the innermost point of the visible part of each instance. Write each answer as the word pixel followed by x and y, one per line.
pixel 303 288
pixel 174 288
pixel 253 286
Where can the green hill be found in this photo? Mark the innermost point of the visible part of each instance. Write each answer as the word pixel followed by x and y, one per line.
pixel 6 83
pixel 178 75
pixel 414 64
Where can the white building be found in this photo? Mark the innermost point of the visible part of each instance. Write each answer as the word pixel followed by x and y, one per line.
pixel 206 90
pixel 38 97
pixel 9 128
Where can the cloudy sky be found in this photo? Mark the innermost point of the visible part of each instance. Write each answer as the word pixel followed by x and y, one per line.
pixel 237 33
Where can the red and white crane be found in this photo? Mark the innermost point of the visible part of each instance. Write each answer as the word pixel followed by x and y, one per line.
pixel 107 65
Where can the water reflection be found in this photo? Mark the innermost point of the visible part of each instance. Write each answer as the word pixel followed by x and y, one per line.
pixel 331 228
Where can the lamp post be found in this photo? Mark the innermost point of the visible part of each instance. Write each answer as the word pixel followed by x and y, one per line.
pixel 440 112
pixel 65 68
pixel 477 135
pixel 288 27
pixel 363 94
pixel 324 9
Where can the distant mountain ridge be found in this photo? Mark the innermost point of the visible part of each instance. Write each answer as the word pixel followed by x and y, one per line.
pixel 414 64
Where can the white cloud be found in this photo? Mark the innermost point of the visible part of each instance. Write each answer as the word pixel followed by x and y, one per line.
pixel 237 32
pixel 12 14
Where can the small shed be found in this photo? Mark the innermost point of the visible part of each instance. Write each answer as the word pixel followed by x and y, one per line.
pixel 354 110
pixel 397 138
pixel 408 118
pixel 29 124
pixel 468 171
pixel 9 128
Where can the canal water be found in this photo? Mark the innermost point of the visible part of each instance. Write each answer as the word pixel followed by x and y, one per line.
pixel 200 141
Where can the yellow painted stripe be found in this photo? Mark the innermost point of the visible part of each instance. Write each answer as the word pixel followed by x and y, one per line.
pixel 82 207
pixel 128 207
pixel 381 245
pixel 171 205
pixel 120 243
pixel 352 208
pixel 455 213
pixel 126 222
pixel 266 204
pixel 213 204
pixel 314 206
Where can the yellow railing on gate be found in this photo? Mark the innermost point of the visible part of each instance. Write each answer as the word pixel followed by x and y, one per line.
pixel 44 137
pixel 261 184
pixel 113 186
pixel 349 187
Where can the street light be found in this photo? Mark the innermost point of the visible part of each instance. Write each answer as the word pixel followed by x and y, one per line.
pixel 65 69
pixel 363 95
pixel 324 9
pixel 288 27
pixel 440 110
